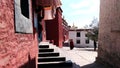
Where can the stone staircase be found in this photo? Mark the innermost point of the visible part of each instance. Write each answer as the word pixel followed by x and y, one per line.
pixel 48 58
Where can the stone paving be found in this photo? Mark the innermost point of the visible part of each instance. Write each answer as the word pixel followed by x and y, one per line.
pixel 81 57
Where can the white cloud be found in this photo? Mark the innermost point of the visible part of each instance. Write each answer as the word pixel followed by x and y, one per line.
pixel 79 5
pixel 81 12
pixel 92 7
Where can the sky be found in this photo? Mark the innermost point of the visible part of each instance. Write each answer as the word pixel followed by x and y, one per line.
pixel 80 12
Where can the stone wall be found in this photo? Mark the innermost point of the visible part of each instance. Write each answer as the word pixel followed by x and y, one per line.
pixel 109 33
pixel 16 50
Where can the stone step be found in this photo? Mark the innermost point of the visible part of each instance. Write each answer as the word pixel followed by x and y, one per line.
pixel 48 54
pixel 55 65
pixel 51 59
pixel 45 50
pixel 43 46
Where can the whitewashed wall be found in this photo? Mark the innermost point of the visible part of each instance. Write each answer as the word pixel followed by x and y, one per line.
pixel 82 38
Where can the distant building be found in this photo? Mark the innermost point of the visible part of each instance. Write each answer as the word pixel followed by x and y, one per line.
pixel 79 37
pixel 65 30
pixel 73 27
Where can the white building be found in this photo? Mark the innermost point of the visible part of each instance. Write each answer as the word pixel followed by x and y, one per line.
pixel 80 38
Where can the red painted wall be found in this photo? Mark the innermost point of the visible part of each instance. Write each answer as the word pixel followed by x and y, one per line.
pixel 60 29
pixel 16 50
pixel 54 29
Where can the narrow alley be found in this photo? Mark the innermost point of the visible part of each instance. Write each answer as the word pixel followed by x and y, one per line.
pixel 54 24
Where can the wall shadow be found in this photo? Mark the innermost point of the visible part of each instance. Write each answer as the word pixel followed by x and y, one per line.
pixel 30 64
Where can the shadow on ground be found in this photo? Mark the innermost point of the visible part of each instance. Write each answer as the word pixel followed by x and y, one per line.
pixel 75 65
pixel 93 65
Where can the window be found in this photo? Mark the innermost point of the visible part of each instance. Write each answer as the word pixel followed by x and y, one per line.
pixel 86 35
pixel 78 34
pixel 23 19
pixel 25 8
pixel 87 41
pixel 78 41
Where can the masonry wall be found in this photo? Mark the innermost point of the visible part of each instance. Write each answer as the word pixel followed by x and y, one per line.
pixel 109 33
pixel 16 50
pixel 54 29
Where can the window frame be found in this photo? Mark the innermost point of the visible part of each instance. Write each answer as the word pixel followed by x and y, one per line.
pixel 87 41
pixel 25 9
pixel 78 34
pixel 77 41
